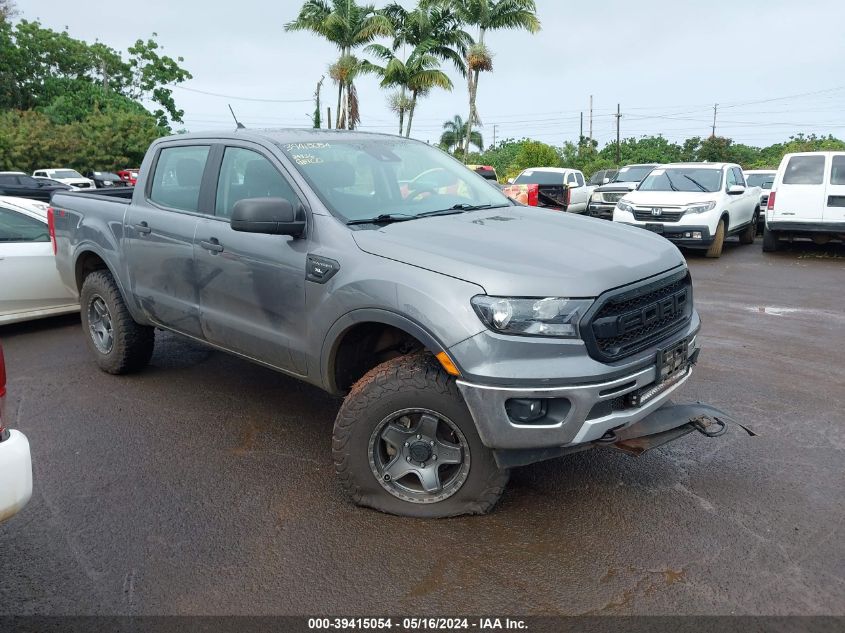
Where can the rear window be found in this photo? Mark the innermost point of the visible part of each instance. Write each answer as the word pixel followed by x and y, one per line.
pixel 837 171
pixel 178 175
pixel 804 170
pixel 760 180
pixel 537 177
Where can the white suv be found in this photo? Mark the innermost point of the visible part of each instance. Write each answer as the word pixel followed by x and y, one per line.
pixel 807 199
pixel 695 205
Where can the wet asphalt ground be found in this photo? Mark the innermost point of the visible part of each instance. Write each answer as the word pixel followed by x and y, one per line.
pixel 204 485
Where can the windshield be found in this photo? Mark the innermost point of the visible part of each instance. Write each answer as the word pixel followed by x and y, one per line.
pixel 365 178
pixel 539 177
pixel 690 179
pixel 634 173
pixel 66 173
pixel 760 180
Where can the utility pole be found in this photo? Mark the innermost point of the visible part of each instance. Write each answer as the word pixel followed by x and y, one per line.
pixel 104 71
pixel 618 147
pixel 715 109
pixel 329 117
pixel 495 126
pixel 591 121
pixel 581 129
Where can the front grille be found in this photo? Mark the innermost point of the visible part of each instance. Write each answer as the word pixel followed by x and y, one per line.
pixel 612 197
pixel 665 216
pixel 628 321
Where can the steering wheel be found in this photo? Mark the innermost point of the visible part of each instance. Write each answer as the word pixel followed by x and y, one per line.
pixel 415 190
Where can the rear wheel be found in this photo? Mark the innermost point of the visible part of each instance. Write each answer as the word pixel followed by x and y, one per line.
pixel 120 345
pixel 715 249
pixel 404 443
pixel 750 232
pixel 771 243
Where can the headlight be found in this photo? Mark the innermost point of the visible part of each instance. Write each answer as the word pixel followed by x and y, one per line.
pixel 624 206
pixel 701 208
pixel 535 317
pixel 596 197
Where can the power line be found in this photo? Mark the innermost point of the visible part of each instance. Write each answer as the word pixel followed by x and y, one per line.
pixel 235 97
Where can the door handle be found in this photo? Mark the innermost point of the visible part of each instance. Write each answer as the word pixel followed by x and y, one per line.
pixel 212 245
pixel 143 228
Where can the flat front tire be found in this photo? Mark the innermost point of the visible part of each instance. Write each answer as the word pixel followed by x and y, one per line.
pixel 119 344
pixel 405 443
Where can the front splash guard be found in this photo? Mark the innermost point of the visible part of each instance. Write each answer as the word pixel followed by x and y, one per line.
pixel 669 422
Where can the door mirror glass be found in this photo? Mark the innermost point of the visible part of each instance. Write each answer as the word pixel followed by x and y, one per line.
pixel 735 190
pixel 604 181
pixel 274 216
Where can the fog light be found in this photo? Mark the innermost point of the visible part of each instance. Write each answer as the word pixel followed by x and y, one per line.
pixel 696 235
pixel 525 410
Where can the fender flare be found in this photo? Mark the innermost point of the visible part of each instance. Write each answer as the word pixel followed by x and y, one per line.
pixel 91 247
pixel 335 334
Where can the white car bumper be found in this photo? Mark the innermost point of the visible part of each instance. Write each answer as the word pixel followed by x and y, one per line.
pixel 15 474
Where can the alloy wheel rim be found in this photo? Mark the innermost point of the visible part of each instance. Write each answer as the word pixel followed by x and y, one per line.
pixel 100 324
pixel 419 455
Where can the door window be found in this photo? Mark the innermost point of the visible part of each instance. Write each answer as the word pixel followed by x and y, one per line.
pixel 731 181
pixel 804 170
pixel 247 174
pixel 837 170
pixel 17 227
pixel 740 179
pixel 579 179
pixel 8 179
pixel 178 176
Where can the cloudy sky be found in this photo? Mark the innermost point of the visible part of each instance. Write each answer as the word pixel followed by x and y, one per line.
pixel 774 66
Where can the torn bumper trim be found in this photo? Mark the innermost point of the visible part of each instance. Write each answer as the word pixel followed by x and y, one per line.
pixel 661 426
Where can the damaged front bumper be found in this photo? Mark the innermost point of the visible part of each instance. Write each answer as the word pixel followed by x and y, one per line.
pixel 663 425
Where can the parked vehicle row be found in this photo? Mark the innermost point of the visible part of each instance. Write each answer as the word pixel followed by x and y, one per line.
pixel 468 334
pixel 551 187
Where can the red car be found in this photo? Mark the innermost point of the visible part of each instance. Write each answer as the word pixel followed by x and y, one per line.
pixel 129 175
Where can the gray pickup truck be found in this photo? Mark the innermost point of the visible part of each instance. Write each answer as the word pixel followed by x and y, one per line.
pixel 467 333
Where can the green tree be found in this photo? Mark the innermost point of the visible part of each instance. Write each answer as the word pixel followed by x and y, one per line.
pixel 454 133
pixel 348 26
pixel 487 15
pixel 151 74
pixel 534 154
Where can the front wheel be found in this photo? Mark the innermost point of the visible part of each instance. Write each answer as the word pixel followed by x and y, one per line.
pixel 404 443
pixel 715 249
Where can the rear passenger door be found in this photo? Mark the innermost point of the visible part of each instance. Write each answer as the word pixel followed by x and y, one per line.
pixel 578 192
pixel 834 209
pixel 252 285
pixel 159 235
pixel 800 196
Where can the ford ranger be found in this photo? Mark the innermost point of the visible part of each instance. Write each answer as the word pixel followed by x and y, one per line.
pixel 467 333
pixel 695 205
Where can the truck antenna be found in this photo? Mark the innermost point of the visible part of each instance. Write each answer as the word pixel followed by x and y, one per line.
pixel 240 125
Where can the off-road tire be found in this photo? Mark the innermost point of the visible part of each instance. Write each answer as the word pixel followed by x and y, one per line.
pixel 132 344
pixel 750 232
pixel 715 249
pixel 412 381
pixel 771 243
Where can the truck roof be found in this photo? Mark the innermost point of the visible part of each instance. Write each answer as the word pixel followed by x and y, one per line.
pixel 282 135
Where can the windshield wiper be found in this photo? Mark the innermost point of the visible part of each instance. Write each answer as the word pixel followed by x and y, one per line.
pixel 671 184
pixel 695 182
pixel 384 218
pixel 455 209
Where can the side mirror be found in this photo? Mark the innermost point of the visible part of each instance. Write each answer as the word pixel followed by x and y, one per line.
pixel 604 181
pixel 735 190
pixel 632 186
pixel 274 216
pixel 510 181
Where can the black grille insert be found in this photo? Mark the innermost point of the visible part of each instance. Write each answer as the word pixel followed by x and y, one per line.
pixel 630 320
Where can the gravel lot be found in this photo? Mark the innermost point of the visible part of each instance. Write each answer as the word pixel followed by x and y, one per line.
pixel 205 485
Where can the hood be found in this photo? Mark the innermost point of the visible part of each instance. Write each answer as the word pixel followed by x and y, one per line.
pixel 669 198
pixel 617 186
pixel 526 251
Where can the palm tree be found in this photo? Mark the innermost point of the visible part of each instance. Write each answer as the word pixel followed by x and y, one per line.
pixel 487 15
pixel 454 133
pixel 348 26
pixel 433 33
pixel 419 74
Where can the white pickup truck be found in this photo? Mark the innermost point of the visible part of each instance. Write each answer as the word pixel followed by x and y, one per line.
pixel 695 205
pixel 557 187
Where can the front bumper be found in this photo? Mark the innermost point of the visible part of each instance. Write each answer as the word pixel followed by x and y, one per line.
pixel 576 414
pixel 16 469
pixel 603 210
pixel 679 235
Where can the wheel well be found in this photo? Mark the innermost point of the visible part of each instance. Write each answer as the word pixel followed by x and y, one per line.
pixel 86 264
pixel 366 345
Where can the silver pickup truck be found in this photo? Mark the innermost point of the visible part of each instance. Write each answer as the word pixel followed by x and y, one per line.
pixel 468 334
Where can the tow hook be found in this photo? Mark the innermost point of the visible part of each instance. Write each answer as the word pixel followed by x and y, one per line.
pixel 704 424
